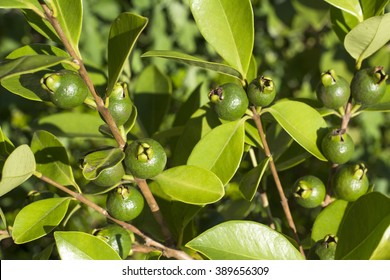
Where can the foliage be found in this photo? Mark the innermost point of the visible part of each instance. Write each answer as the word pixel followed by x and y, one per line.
pixel 219 194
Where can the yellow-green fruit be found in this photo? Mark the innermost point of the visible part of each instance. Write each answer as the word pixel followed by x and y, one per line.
pixel 118 238
pixel 309 191
pixel 145 158
pixel 350 181
pixel 337 146
pixel 125 203
pixel 66 88
pixel 261 91
pixel 230 101
pixel 333 91
pixel 110 176
pixel 119 104
pixel 368 86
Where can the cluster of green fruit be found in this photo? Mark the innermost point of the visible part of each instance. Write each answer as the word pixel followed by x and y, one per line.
pixel 350 181
pixel 231 100
pixel 143 158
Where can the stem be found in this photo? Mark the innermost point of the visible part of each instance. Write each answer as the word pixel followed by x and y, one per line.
pixel 84 75
pixel 143 185
pixel 284 201
pixel 166 251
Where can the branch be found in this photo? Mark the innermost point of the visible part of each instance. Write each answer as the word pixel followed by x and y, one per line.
pixel 143 185
pixel 85 76
pixel 284 201
pixel 149 242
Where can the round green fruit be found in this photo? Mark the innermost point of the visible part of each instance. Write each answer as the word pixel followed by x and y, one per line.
pixel 145 158
pixel 118 238
pixel 66 88
pixel 333 91
pixel 337 146
pixel 261 91
pixel 309 191
pixel 324 249
pixel 350 181
pixel 119 104
pixel 230 101
pixel 368 85
pixel 125 203
pixel 110 176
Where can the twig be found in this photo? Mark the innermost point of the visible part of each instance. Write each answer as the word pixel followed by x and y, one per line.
pixel 149 242
pixel 284 201
pixel 84 74
pixel 142 184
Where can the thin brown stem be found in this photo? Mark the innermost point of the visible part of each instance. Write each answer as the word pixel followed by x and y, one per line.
pixel 143 185
pixel 347 115
pixel 85 76
pixel 284 201
pixel 149 242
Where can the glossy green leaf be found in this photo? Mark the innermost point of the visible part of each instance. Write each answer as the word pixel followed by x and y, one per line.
pixel 51 158
pixel 69 14
pixel 304 124
pixel 72 124
pixel 329 219
pixel 74 245
pixel 244 240
pixel 368 37
pixel 18 167
pixel 27 64
pixel 21 4
pixel 342 22
pixel 124 32
pixel 190 184
pixel 41 25
pixel 350 6
pixel 201 123
pixel 251 180
pixel 363 228
pixel 37 49
pixel 195 61
pixel 153 92
pixel 293 156
pixel 96 162
pixel 38 219
pixel 372 8
pixel 228 26
pixel 220 151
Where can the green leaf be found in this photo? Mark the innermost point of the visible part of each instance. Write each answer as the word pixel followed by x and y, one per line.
pixel 41 25
pixel 38 219
pixel 51 158
pixel 18 167
pixel 201 123
pixel 342 22
pixel 96 162
pixel 244 240
pixel 73 245
pixel 363 228
pixel 373 7
pixel 69 14
pixel 329 219
pixel 350 6
pixel 22 4
pixel 294 155
pixel 368 37
pixel 37 49
pixel 6 146
pixel 251 180
pixel 220 151
pixel 228 26
pixel 72 124
pixel 195 61
pixel 124 32
pixel 152 93
pixel 27 64
pixel 304 124
pixel 190 184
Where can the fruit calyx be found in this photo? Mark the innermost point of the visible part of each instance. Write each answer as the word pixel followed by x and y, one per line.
pixel 328 78
pixel 266 84
pixel 380 74
pixel 144 152
pixel 360 171
pixel 303 190
pixel 216 95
